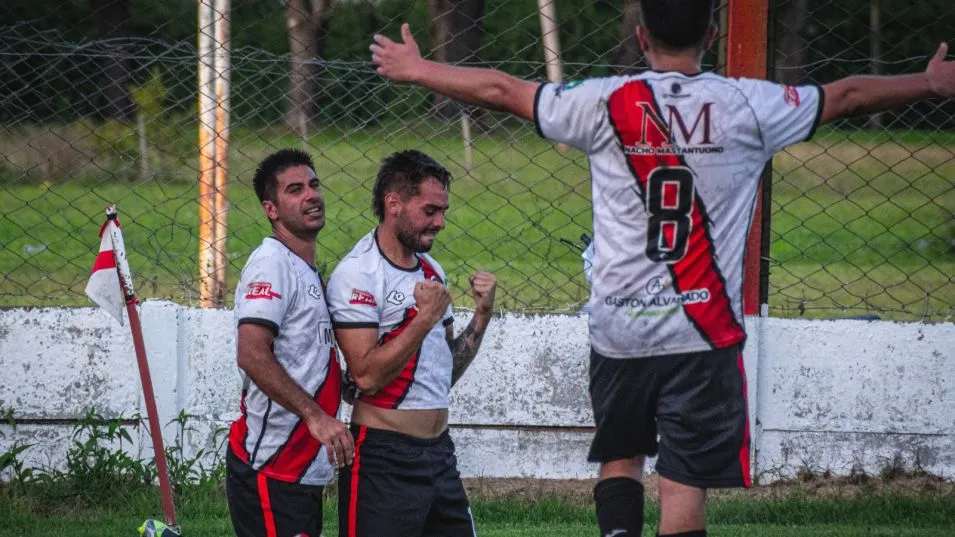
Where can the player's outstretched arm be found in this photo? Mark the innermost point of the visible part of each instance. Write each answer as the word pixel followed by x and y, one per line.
pixel 256 358
pixel 487 88
pixel 859 95
pixel 465 347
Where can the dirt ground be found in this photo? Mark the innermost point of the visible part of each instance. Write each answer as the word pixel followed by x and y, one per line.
pixel 581 490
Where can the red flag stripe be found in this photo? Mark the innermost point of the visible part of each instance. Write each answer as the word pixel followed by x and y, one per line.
pixel 104 260
pixel 714 319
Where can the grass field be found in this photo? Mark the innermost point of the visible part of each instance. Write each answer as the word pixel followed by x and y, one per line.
pixel 860 224
pixel 764 511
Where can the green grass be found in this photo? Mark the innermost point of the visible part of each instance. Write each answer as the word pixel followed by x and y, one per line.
pixel 860 224
pixel 203 513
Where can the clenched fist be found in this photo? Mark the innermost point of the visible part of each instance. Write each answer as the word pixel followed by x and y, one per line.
pixel 432 300
pixel 483 286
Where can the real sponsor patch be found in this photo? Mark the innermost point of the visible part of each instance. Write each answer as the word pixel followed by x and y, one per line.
pixel 362 298
pixel 261 290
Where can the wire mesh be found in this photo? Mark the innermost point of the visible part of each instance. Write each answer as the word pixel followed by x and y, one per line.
pixel 863 216
pixel 98 105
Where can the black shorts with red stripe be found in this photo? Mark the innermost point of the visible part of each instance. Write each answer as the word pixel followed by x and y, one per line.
pixel 695 402
pixel 402 486
pixel 264 507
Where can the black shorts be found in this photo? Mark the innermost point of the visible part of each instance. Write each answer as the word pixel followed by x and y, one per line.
pixel 696 402
pixel 402 486
pixel 264 507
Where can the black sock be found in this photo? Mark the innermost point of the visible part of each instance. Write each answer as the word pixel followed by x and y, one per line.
pixel 619 507
pixel 695 533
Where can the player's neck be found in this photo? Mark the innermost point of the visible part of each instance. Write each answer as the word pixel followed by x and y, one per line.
pixel 688 64
pixel 303 247
pixel 393 249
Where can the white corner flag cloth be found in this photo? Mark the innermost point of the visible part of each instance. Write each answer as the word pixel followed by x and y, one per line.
pixel 111 270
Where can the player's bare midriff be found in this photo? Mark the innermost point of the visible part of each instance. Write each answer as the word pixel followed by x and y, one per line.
pixel 418 423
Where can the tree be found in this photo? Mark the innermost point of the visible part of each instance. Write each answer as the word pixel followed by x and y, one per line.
pixel 307 23
pixel 458 31
pixel 628 54
pixel 112 19
pixel 792 49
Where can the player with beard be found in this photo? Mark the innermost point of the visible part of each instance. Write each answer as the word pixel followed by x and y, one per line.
pixel 675 156
pixel 392 315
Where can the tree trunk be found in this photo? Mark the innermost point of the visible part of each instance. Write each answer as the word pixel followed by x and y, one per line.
pixel 461 22
pixel 307 23
pixel 875 53
pixel 440 11
pixel 629 55
pixel 112 17
pixel 792 49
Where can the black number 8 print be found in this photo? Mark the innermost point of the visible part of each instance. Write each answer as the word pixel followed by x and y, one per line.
pixel 669 203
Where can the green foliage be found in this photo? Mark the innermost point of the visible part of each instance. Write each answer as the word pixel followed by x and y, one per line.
pixel 99 469
pixel 184 469
pixel 49 89
pixel 97 462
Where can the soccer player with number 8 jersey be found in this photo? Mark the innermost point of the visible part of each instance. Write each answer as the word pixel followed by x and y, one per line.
pixel 675 157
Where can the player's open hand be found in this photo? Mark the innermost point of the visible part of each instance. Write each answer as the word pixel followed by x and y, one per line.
pixel 335 436
pixel 483 287
pixel 941 74
pixel 432 300
pixel 397 61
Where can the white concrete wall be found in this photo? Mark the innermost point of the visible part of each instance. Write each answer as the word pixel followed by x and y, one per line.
pixel 824 395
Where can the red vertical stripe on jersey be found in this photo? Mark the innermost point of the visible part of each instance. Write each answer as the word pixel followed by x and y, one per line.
pixel 353 497
pixel 429 272
pixel 266 503
pixel 697 270
pixel 391 395
pixel 395 391
pixel 744 450
pixel 294 457
pixel 238 433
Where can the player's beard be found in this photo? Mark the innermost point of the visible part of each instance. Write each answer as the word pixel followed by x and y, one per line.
pixel 411 239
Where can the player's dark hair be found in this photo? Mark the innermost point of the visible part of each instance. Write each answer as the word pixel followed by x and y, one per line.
pixel 266 179
pixel 677 24
pixel 403 172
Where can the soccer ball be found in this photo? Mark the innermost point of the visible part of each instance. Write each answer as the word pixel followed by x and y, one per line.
pixel 154 528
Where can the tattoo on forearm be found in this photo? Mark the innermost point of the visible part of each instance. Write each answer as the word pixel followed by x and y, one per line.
pixel 463 350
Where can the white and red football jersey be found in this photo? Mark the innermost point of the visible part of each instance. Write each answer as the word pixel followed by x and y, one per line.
pixel 366 290
pixel 675 161
pixel 279 290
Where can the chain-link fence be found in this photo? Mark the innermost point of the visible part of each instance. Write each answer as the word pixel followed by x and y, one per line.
pixel 98 104
pixel 863 216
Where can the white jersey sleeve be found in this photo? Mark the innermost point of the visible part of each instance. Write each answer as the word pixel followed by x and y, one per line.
pixel 354 296
pixel 266 289
pixel 785 114
pixel 571 113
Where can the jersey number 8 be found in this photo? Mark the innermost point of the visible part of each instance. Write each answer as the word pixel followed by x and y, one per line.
pixel 669 203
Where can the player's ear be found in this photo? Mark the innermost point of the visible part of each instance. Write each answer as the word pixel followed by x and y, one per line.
pixel 643 38
pixel 271 211
pixel 392 203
